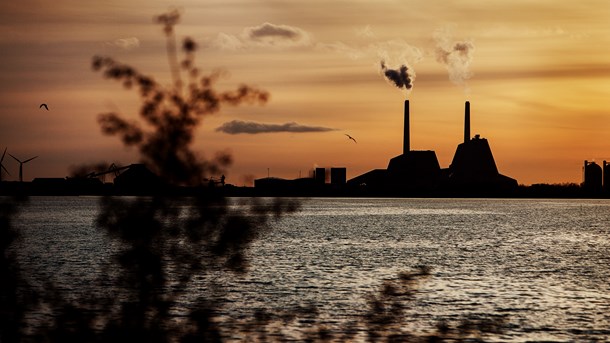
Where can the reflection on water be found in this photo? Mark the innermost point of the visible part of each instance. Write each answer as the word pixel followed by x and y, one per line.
pixel 544 265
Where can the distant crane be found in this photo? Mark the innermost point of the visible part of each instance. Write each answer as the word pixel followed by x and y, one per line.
pixel 2 166
pixel 21 165
pixel 113 168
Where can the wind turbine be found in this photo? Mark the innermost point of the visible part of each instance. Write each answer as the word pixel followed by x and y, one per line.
pixel 21 165
pixel 2 166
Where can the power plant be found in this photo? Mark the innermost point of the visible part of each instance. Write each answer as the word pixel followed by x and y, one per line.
pixel 472 171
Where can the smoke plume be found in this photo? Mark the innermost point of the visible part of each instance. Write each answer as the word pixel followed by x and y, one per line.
pixel 402 77
pixel 237 126
pixel 456 56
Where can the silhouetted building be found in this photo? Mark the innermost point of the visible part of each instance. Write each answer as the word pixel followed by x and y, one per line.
pixel 274 186
pixel 606 177
pixel 373 179
pixel 270 183
pixel 338 176
pixel 473 168
pixel 138 179
pixel 414 170
pixel 418 172
pixel 592 177
pixel 410 171
pixel 320 175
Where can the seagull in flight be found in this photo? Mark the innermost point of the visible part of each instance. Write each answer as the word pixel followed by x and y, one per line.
pixel 44 105
pixel 350 137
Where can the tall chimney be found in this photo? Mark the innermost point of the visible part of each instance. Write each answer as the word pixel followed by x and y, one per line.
pixel 406 143
pixel 467 122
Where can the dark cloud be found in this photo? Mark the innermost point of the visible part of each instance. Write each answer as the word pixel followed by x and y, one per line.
pixel 264 35
pixel 273 34
pixel 237 126
pixel 274 31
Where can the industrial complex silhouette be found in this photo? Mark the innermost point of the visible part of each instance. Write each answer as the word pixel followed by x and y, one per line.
pixel 472 172
pixel 473 169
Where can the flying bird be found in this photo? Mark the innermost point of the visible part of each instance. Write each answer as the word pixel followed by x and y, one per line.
pixel 44 105
pixel 350 137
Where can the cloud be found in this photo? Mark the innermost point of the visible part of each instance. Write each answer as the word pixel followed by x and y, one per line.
pixel 237 126
pixel 272 31
pixel 125 43
pixel 264 35
pixel 227 42
pixel 269 35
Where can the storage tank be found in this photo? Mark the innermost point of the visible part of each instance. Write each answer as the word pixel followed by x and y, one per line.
pixel 592 176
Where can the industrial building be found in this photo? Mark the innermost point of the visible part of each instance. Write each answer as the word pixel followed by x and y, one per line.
pixel 473 167
pixel 411 171
pixel 322 182
pixel 472 171
pixel 596 178
pixel 606 177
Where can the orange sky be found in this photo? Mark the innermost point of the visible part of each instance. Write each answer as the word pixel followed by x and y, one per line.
pixel 538 78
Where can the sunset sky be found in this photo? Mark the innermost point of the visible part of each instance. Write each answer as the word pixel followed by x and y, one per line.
pixel 537 74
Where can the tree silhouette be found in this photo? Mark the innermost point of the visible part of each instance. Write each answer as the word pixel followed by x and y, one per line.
pixel 170 240
pixel 15 298
pixel 172 113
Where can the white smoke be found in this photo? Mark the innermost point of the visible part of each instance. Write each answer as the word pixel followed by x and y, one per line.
pixel 125 43
pixel 456 56
pixel 227 42
pixel 365 32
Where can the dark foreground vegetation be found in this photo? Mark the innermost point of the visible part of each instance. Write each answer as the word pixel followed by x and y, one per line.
pixel 162 249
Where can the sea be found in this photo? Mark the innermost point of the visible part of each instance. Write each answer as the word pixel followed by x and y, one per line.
pixel 541 265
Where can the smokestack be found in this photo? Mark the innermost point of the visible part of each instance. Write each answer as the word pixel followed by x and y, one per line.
pixel 467 122
pixel 406 144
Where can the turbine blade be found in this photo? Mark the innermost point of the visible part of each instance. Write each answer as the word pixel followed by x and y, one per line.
pixel 4 153
pixel 6 171
pixel 30 159
pixel 16 159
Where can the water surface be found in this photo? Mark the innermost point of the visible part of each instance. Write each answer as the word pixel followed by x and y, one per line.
pixel 544 265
